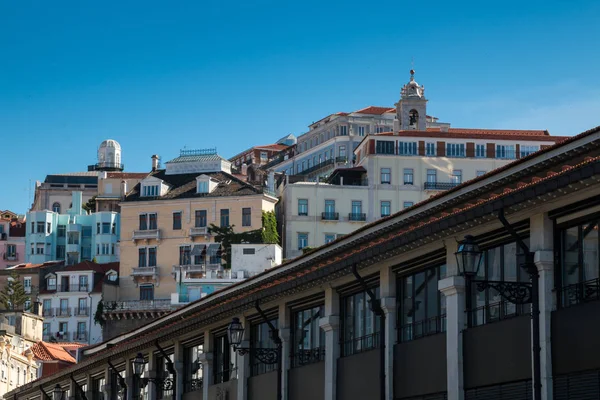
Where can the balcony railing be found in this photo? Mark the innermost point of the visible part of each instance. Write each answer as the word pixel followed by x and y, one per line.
pixel 342 159
pixel 62 312
pixel 106 165
pixel 137 305
pixel 82 311
pixel 10 256
pixel 72 288
pixel 80 336
pixel 145 271
pixel 141 234
pixel 330 216
pixel 360 344
pixel 198 231
pixel 48 312
pixel 496 311
pixel 314 168
pixel 62 336
pixel 422 328
pixel 309 356
pixel 440 185
pixel 357 217
pixel 580 292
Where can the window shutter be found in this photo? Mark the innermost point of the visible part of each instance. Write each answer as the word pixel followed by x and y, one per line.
pixel 441 149
pixel 470 149
pixel 372 147
pixel 421 148
pixel 490 150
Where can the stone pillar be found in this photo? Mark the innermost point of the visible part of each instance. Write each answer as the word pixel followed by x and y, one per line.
pixel 207 366
pixel 388 304
pixel 330 323
pixel 89 390
pixel 453 288
pixel 178 360
pixel 73 391
pixel 152 393
pixel 243 363
pixel 106 389
pixel 542 244
pixel 129 377
pixel 284 333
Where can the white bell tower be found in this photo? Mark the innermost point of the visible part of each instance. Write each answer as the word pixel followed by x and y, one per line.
pixel 109 156
pixel 411 110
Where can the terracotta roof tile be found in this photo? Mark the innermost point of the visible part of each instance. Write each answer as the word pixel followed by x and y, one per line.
pixel 126 175
pixel 45 351
pixel 91 266
pixel 460 133
pixel 375 110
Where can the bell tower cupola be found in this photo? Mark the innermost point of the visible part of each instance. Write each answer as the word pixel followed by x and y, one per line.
pixel 411 110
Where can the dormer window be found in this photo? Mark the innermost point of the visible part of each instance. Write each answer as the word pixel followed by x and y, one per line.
pixel 205 184
pixel 153 187
pixel 51 283
pixel 203 187
pixel 150 190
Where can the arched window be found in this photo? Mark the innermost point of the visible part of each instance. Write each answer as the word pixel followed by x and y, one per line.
pixel 413 118
pixel 56 207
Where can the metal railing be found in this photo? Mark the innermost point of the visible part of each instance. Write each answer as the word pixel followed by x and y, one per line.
pixel 82 311
pixel 582 292
pixel 72 288
pixel 144 271
pixel 62 337
pixel 360 344
pixel 440 185
pixel 330 216
pixel 62 312
pixel 310 356
pixel 193 385
pixel 107 165
pixel 135 305
pixel 10 256
pixel 80 336
pixel 497 311
pixel 341 159
pixel 48 312
pixel 357 217
pixel 316 167
pixel 419 329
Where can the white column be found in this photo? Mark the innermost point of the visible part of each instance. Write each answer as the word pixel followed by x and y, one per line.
pixel 542 244
pixel 178 364
pixel 284 334
pixel 207 366
pixel 388 304
pixel 330 323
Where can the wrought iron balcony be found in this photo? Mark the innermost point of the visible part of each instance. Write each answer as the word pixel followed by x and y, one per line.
pixel 146 234
pixel 440 185
pixel 341 159
pixel 357 217
pixel 82 311
pixel 330 216
pixel 62 312
pixel 317 167
pixel 80 336
pixel 137 305
pixel 48 312
pixel 10 256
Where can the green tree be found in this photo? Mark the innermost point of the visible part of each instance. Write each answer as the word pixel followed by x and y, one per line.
pixel 90 206
pixel 13 296
pixel 269 228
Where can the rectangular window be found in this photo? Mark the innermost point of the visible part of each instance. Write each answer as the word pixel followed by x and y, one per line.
pixel 41 227
pixel 81 333
pixel 356 207
pixel 152 222
pixel 579 263
pixel 82 307
pixel 51 282
pixel 152 256
pixel 224 217
pixel 360 326
pixel 499 263
pixel 46 330
pixel 407 204
pixel 193 368
pixel 106 228
pixel 83 283
pixel 47 307
pixel 422 308
pixel 98 228
pixel 330 214
pixel 60 251
pixel 361 130
pixel 200 218
pixel 480 150
pixel 506 152
pixel 408 176
pixel 342 151
pixel 329 237
pixel 386 175
pixel 386 208
pixel 176 220
pixel 343 130
pixel 48 227
pixel 384 147
pixel 11 251
pixel 247 216
pixel 143 222
pixel 260 337
pixel 64 306
pixel 430 150
pixel 248 251
pixel 407 148
pixel 457 176
pixel 302 240
pixel 302 206
pixel 147 292
pixel 62 231
pixel 185 257
pixel 202 186
pixel 114 228
pixel 527 150
pixel 222 359
pixel 39 248
pixel 455 149
pixel 431 175
pixel 142 257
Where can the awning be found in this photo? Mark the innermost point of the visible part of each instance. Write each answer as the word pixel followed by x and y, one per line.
pixel 212 248
pixel 198 249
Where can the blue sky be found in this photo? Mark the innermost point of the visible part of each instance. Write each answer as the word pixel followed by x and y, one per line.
pixel 157 76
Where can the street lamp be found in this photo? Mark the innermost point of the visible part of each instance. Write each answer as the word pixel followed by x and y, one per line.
pixel 468 257
pixel 57 393
pixel 138 364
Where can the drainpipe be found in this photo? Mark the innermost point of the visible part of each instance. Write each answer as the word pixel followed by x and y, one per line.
pixel 378 311
pixel 90 311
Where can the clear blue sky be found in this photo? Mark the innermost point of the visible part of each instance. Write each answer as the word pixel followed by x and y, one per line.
pixel 158 76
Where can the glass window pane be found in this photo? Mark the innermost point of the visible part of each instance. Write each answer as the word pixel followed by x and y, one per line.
pixel 590 251
pixel 570 256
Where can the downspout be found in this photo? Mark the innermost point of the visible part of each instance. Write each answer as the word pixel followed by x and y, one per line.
pixel 378 311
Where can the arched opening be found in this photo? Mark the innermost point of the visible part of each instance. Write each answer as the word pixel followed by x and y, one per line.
pixel 413 118
pixel 56 207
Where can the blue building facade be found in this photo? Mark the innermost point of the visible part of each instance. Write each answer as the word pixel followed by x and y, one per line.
pixel 74 236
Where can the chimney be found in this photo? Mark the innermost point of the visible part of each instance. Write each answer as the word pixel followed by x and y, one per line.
pixel 123 188
pixel 244 169
pixel 155 159
pixel 396 126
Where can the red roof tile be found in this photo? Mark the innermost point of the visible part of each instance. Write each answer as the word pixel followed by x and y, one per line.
pixel 375 110
pixel 126 175
pixel 45 351
pixel 92 266
pixel 459 133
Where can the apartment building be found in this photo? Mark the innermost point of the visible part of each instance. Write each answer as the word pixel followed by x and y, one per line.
pixel 165 221
pixel 113 186
pixel 397 169
pixel 12 239
pixel 72 236
pixel 69 299
pixel 396 310
pixel 30 276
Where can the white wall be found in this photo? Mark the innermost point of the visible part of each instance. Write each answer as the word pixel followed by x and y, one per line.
pixel 265 256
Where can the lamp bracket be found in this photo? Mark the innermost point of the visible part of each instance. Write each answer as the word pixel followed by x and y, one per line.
pixel 514 292
pixel 162 383
pixel 264 355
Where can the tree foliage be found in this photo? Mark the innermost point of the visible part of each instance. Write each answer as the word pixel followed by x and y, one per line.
pixel 269 228
pixel 13 295
pixel 90 206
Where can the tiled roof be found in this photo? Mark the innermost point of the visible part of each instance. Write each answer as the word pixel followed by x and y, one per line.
pixel 193 158
pixel 30 265
pixel 126 175
pixel 375 110
pixel 184 186
pixel 45 351
pixel 276 147
pixel 91 266
pixel 497 134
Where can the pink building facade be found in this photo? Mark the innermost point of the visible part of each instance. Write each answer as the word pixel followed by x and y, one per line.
pixel 12 239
